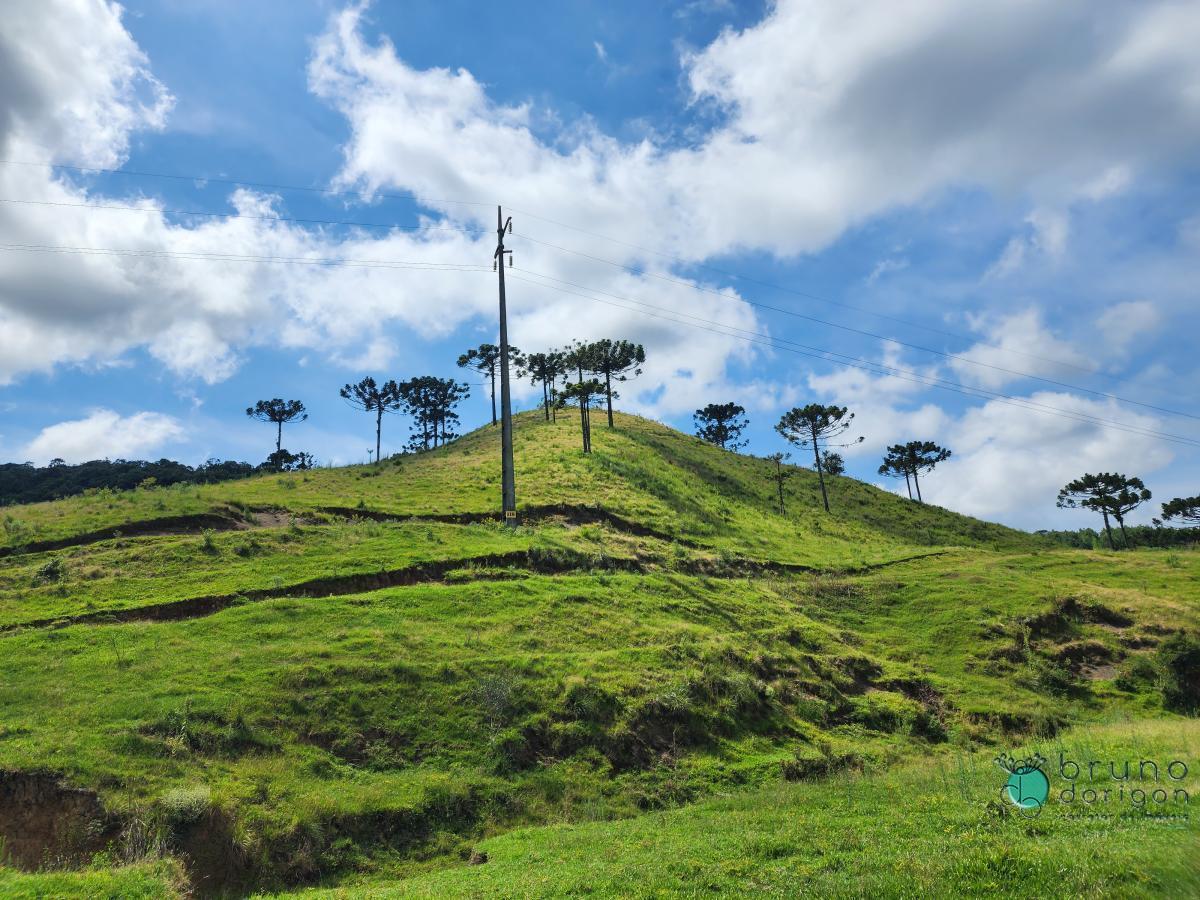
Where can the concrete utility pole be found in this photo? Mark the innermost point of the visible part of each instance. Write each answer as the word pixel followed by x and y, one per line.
pixel 509 490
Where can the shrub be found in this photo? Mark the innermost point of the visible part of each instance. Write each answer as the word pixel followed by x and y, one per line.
pixel 1179 658
pixel 208 544
pixel 53 570
pixel 185 806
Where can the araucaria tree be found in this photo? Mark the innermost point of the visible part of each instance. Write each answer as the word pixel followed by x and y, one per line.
pixel 721 424
pixel 911 459
pixel 1185 509
pixel 373 398
pixel 582 392
pixel 277 411
pixel 832 463
pixel 485 359
pixel 1110 494
pixel 614 361
pixel 430 402
pixel 894 466
pixel 544 369
pixel 815 426
pixel 780 474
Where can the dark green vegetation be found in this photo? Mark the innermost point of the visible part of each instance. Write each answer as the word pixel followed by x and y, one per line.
pixel 354 676
pixel 27 483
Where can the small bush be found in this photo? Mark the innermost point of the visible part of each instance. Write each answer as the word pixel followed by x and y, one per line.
pixel 53 570
pixel 1179 658
pixel 185 806
pixel 208 544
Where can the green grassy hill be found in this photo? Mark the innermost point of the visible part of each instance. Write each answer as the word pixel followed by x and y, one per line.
pixel 358 676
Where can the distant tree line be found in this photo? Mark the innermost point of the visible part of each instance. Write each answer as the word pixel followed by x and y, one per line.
pixel 1115 495
pixel 27 483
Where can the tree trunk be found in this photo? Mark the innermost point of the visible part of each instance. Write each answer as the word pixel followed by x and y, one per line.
pixel 1108 530
pixel 546 399
pixel 779 484
pixel 1124 534
pixel 493 393
pixel 820 471
pixel 908 484
pixel 917 482
pixel 378 429
pixel 279 436
pixel 608 391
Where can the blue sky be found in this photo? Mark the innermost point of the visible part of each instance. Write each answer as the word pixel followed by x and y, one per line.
pixel 1014 186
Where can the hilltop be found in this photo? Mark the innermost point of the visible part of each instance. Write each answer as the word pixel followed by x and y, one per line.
pixel 355 675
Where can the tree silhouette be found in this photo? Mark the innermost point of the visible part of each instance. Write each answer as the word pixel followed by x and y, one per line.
pixel 894 466
pixel 813 426
pixel 283 461
pixel 832 462
pixel 578 358
pixel 911 459
pixel 923 456
pixel 582 392
pixel 1186 509
pixel 485 359
pixel 373 398
pixel 544 369
pixel 277 411
pixel 780 474
pixel 430 401
pixel 615 361
pixel 721 424
pixel 1110 494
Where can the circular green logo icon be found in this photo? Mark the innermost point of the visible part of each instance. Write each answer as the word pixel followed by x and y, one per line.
pixel 1027 788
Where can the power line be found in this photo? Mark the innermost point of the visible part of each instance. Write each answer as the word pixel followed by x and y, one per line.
pixel 871 334
pixel 243 257
pixel 391 195
pixel 871 367
pixel 410 195
pixel 233 215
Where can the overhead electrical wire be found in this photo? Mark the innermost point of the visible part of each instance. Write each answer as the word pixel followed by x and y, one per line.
pixel 234 182
pixel 246 257
pixel 863 332
pixel 870 366
pixel 387 226
pixel 466 267
pixel 682 318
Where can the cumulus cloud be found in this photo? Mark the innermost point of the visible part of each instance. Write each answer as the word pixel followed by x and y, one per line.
pixel 104 434
pixel 75 83
pixel 1009 459
pixel 1123 323
pixel 831 112
pixel 1009 462
pixel 1019 342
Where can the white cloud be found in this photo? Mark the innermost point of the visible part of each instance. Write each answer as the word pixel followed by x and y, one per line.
pixel 1122 323
pixel 1019 342
pixel 1009 462
pixel 75 83
pixel 1009 459
pixel 1108 184
pixel 834 112
pixel 884 266
pixel 104 434
pixel 1046 237
pixel 601 53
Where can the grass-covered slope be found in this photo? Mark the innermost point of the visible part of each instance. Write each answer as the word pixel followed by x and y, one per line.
pixel 358 673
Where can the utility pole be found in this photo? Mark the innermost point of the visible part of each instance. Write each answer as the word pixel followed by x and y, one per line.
pixel 509 490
